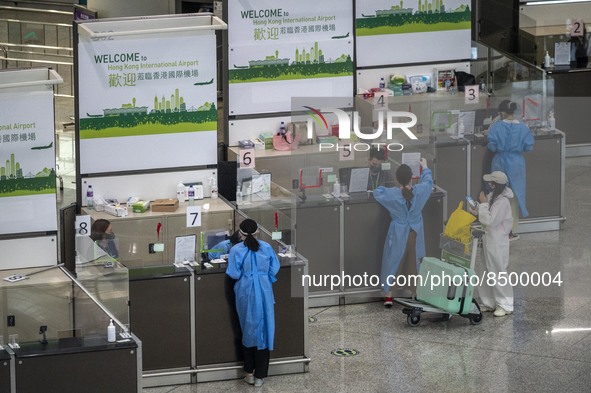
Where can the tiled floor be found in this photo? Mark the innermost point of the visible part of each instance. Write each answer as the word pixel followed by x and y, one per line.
pixel 524 352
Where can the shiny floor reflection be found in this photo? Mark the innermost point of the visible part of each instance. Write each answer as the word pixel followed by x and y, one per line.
pixel 545 346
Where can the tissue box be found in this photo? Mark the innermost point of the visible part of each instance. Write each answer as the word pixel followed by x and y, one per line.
pixel 140 206
pixel 165 205
pixel 116 210
pixel 259 144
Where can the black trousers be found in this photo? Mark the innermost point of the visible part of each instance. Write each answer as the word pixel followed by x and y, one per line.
pixel 256 360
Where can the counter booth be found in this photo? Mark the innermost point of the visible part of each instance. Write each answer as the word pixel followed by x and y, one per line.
pixel 53 321
pixel 340 234
pixel 181 303
pixel 458 126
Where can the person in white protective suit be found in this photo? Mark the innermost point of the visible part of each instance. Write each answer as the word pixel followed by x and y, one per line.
pixel 494 213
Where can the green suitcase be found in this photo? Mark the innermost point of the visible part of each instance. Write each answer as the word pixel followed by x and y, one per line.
pixel 454 296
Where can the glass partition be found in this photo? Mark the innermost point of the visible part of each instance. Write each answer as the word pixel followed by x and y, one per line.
pixel 44 306
pixel 105 278
pixel 559 30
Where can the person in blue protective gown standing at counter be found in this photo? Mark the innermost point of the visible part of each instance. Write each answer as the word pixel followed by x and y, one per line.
pixel 508 139
pixel 405 238
pixel 222 249
pixel 254 264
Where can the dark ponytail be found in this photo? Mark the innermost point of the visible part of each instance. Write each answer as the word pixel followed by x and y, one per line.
pixel 248 228
pixel 403 176
pixel 508 107
pixel 498 190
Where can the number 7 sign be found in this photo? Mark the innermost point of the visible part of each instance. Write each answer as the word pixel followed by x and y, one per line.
pixel 193 216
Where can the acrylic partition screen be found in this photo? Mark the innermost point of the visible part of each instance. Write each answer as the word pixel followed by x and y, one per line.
pixel 283 49
pixel 411 31
pixel 146 101
pixel 27 154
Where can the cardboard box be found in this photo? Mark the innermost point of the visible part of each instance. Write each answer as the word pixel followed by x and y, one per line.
pixel 165 205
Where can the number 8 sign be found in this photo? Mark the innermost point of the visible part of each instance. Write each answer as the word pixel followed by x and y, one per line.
pixel 82 225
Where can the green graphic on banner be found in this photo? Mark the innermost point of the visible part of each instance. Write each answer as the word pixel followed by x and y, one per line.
pixel 306 64
pixel 430 16
pixel 168 115
pixel 16 181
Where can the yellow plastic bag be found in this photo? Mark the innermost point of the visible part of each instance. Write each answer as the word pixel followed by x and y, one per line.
pixel 458 225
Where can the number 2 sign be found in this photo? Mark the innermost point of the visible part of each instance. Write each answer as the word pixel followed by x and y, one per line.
pixel 577 28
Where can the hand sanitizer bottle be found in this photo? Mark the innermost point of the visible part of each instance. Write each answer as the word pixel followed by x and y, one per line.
pixel 111 333
pixel 214 188
pixel 180 192
pixel 336 189
pixel 547 60
pixel 382 83
pixel 461 129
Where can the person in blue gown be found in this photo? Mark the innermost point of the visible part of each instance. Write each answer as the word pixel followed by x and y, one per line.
pixel 405 205
pixel 223 248
pixel 254 264
pixel 508 139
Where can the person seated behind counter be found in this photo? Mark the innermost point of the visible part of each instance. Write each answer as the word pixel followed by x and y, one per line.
pixel 223 247
pixel 377 176
pixel 101 232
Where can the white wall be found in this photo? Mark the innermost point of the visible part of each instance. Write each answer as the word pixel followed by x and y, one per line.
pixel 554 14
pixel 121 8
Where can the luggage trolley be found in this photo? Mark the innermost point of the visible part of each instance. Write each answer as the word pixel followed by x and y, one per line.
pixel 456 259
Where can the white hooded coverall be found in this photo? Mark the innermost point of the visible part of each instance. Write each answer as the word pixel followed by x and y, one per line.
pixel 497 223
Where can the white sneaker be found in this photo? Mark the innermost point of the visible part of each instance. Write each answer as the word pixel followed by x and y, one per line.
pixel 484 308
pixel 501 312
pixel 258 382
pixel 249 379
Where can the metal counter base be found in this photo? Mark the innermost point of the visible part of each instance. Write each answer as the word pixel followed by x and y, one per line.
pixel 220 372
pixel 541 224
pixel 578 150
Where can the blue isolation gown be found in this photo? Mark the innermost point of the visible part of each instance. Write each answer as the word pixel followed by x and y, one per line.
pixel 508 140
pixel 224 248
pixel 403 220
pixel 255 272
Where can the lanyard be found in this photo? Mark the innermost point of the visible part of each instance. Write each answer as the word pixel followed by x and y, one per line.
pixel 377 181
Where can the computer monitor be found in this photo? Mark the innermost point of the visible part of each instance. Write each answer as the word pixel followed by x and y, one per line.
pixel 356 178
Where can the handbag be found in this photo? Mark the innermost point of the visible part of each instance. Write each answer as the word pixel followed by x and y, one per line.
pixel 300 129
pixel 458 225
pixel 464 79
pixel 285 142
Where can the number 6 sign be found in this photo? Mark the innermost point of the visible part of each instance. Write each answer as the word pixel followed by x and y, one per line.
pixel 246 158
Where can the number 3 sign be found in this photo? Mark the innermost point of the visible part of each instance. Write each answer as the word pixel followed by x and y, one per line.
pixel 471 96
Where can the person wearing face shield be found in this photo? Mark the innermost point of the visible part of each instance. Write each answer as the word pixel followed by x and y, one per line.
pixel 101 232
pixel 508 140
pixel 405 241
pixel 494 213
pixel 377 176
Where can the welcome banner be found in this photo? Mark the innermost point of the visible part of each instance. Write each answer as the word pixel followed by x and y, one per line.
pixel 146 101
pixel 27 161
pixel 284 49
